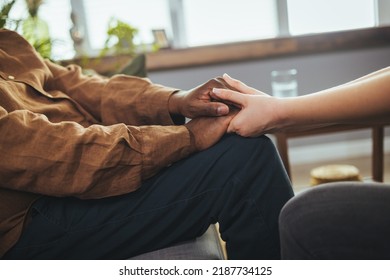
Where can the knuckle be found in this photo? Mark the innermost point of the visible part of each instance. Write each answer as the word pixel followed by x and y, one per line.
pixel 217 81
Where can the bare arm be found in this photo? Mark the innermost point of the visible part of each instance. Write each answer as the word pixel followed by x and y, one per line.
pixel 366 99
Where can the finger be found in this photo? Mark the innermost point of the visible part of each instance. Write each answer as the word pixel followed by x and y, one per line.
pixel 220 82
pixel 240 86
pixel 229 95
pixel 215 109
pixel 209 109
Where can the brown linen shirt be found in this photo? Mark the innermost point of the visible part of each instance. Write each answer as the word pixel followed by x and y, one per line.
pixel 65 134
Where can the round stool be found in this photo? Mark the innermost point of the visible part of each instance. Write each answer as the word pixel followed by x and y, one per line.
pixel 334 173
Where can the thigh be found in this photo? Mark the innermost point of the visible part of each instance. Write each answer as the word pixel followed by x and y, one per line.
pixel 176 205
pixel 337 221
pixel 154 216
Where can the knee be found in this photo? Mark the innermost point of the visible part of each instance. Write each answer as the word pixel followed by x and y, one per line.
pixel 257 152
pixel 295 225
pixel 250 146
pixel 288 214
pixel 258 157
pixel 305 210
pixel 298 208
pixel 261 153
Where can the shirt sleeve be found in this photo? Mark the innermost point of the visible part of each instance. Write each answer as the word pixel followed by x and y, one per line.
pixel 65 134
pixel 67 159
pixel 119 99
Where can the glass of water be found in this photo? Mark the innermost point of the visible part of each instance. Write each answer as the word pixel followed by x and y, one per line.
pixel 284 83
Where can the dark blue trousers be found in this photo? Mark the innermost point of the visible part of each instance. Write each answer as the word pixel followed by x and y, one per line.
pixel 238 182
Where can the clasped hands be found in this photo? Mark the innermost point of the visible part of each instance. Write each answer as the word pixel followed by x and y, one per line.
pixel 220 105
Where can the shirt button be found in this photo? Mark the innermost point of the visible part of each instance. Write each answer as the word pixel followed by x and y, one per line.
pixel 11 77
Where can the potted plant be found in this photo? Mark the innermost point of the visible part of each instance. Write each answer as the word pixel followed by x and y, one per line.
pixel 36 30
pixel 4 11
pixel 120 38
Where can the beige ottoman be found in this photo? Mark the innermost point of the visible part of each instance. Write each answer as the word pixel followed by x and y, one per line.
pixel 334 173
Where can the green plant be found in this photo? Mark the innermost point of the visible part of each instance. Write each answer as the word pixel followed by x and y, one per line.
pixel 33 7
pixel 120 38
pixel 36 30
pixel 5 9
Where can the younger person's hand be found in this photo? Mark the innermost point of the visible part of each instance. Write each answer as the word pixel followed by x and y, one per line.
pixel 257 113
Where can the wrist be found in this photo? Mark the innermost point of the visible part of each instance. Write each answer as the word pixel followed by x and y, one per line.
pixel 282 112
pixel 192 139
pixel 174 102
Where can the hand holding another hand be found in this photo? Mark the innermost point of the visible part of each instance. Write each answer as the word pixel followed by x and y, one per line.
pixel 212 117
pixel 257 115
pixel 198 101
pixel 208 130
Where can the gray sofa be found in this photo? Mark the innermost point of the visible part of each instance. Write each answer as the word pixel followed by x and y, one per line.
pixel 206 247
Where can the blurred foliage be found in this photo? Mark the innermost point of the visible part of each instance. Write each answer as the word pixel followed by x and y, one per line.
pixel 34 29
pixel 33 7
pixel 120 38
pixel 4 12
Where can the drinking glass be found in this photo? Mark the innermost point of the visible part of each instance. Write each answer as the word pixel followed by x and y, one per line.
pixel 284 83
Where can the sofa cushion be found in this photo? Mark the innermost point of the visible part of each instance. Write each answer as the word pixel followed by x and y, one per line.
pixel 205 247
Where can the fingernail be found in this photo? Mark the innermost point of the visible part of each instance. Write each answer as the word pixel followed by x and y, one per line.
pixel 222 110
pixel 226 76
pixel 216 90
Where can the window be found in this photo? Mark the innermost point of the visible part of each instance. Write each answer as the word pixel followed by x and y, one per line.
pixel 221 21
pixel 308 16
pixel 57 14
pixel 144 15
pixel 201 22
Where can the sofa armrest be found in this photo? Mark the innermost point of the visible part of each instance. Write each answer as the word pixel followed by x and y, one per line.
pixel 205 247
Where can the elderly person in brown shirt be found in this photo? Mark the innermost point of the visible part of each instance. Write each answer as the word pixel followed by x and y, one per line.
pixel 95 168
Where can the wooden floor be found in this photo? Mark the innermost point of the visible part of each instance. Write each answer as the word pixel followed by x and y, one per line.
pixel 301 173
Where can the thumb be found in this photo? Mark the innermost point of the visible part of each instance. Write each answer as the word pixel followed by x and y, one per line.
pixel 238 125
pixel 214 109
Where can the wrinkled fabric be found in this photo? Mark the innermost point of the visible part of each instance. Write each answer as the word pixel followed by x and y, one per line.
pixel 65 134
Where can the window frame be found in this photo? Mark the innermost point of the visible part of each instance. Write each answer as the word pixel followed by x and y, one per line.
pixel 176 8
pixel 283 45
pixel 376 37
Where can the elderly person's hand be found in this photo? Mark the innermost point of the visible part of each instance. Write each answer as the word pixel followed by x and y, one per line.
pixel 198 102
pixel 206 131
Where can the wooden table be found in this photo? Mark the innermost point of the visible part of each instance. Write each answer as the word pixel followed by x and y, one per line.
pixel 377 144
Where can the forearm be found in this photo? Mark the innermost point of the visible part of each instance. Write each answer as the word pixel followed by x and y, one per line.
pixel 135 101
pixel 120 99
pixel 371 75
pixel 364 100
pixel 66 159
